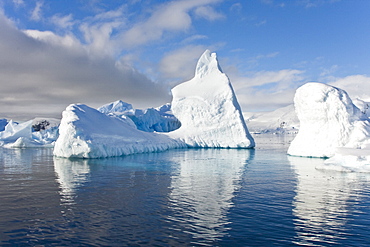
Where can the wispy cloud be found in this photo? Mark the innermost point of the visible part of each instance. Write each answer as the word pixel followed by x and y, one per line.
pixel 18 3
pixel 36 14
pixel 266 90
pixel 181 63
pixel 207 12
pixel 64 22
pixel 357 86
pixel 174 16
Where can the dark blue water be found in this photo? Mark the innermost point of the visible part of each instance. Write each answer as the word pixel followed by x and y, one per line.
pixel 194 197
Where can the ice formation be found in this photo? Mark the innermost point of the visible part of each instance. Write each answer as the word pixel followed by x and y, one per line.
pixel 328 120
pixel 23 135
pixel 152 119
pixel 208 110
pixel 116 107
pixel 85 132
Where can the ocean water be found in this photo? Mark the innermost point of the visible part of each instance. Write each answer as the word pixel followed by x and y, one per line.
pixel 184 197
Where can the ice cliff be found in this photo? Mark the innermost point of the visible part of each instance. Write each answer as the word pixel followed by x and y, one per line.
pixel 328 121
pixel 85 132
pixel 208 109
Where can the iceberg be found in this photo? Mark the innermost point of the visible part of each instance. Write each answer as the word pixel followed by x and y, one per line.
pixel 85 132
pixel 208 109
pixel 328 121
pixel 32 133
pixel 206 106
pixel 13 131
pixel 158 119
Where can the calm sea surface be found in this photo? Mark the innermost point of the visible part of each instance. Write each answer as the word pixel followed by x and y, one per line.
pixel 189 197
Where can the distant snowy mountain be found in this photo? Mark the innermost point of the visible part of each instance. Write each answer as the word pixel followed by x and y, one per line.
pixel 282 120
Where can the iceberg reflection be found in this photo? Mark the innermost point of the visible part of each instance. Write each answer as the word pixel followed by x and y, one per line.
pixel 203 188
pixel 322 202
pixel 71 174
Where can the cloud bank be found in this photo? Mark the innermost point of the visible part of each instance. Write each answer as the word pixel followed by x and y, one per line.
pixel 48 72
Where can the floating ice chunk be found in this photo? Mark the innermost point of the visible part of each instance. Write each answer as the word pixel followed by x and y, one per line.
pixel 328 120
pixel 87 133
pixel 353 160
pixel 208 110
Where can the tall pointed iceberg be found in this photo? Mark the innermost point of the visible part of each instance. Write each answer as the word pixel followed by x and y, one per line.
pixel 208 109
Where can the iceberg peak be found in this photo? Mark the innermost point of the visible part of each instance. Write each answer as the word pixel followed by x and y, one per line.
pixel 207 64
pixel 116 106
pixel 208 109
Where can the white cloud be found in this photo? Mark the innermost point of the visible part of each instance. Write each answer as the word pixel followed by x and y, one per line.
pixel 181 63
pixel 172 16
pixel 266 90
pixel 193 38
pixel 236 7
pixel 357 86
pixel 65 22
pixel 41 73
pixel 36 13
pixel 18 3
pixel 208 13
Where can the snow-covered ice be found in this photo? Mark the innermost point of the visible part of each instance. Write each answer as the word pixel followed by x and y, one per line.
pixel 158 119
pixel 208 109
pixel 328 120
pixel 116 107
pixel 85 132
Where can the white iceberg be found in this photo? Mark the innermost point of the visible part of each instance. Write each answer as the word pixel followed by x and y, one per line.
pixel 206 106
pixel 24 135
pixel 328 120
pixel 208 109
pixel 85 132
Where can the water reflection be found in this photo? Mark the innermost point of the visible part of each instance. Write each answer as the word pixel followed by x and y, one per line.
pixel 21 161
pixel 203 188
pixel 176 197
pixel 323 203
pixel 71 174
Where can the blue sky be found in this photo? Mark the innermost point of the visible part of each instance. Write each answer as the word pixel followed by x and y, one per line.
pixel 55 53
